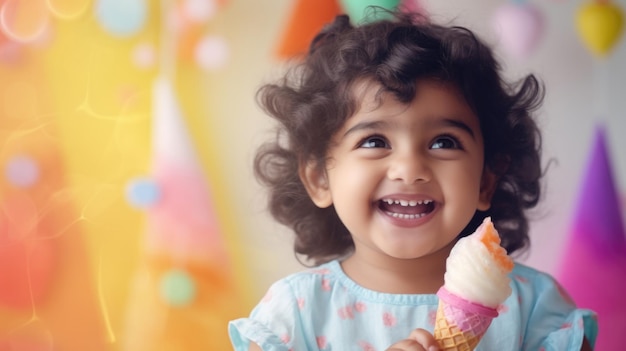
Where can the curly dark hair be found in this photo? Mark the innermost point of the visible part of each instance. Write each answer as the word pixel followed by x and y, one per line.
pixel 314 99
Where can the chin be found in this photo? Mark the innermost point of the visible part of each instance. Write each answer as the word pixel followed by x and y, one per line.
pixel 408 255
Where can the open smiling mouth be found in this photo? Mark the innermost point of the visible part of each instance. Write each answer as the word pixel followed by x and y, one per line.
pixel 406 209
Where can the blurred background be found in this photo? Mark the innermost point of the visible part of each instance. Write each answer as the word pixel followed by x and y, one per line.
pixel 129 215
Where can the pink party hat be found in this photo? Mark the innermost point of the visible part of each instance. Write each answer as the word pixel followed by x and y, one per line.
pixel 185 290
pixel 183 223
pixel 593 265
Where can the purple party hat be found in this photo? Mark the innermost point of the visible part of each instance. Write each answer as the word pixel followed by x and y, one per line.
pixel 593 265
pixel 597 219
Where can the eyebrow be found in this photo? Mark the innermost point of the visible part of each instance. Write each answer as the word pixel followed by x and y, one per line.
pixel 458 124
pixel 378 125
pixel 373 125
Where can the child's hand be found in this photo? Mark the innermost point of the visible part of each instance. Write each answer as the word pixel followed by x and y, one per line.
pixel 418 340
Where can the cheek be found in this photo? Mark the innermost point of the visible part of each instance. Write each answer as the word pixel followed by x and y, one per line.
pixel 352 186
pixel 349 183
pixel 348 171
pixel 465 185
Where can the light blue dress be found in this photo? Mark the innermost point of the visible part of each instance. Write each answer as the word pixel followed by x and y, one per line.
pixel 323 309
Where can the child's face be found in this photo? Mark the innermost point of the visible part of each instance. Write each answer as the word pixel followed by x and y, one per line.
pixel 405 179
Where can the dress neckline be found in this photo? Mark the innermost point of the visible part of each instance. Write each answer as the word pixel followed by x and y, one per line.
pixel 343 279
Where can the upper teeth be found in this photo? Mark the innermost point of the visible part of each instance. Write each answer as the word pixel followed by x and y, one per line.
pixel 407 203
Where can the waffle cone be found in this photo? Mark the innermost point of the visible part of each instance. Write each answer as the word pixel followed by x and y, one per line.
pixel 460 324
pixel 450 337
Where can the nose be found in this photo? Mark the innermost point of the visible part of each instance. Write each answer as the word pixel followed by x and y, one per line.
pixel 409 167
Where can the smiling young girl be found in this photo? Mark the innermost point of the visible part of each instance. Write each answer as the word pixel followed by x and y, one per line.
pixel 397 138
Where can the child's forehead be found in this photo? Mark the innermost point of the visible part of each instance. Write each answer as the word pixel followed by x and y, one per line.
pixel 370 95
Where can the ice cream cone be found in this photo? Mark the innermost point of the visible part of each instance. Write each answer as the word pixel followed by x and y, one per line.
pixel 460 324
pixel 476 283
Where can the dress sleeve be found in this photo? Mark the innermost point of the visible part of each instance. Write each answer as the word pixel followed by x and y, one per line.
pixel 555 323
pixel 274 324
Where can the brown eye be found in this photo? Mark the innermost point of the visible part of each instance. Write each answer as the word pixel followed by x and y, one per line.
pixel 445 142
pixel 374 142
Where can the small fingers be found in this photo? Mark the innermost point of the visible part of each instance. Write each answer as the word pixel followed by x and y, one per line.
pixel 407 345
pixel 418 340
pixel 425 339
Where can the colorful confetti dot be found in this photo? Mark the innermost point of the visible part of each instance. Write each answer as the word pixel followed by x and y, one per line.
pixel 143 193
pixel 22 171
pixel 177 288
pixel 212 53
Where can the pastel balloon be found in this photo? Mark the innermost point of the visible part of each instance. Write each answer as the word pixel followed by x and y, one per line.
pixel 520 26
pixel 600 25
pixel 24 20
pixel 359 12
pixel 122 17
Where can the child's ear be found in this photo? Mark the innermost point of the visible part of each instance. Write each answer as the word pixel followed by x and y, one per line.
pixel 316 183
pixel 488 184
